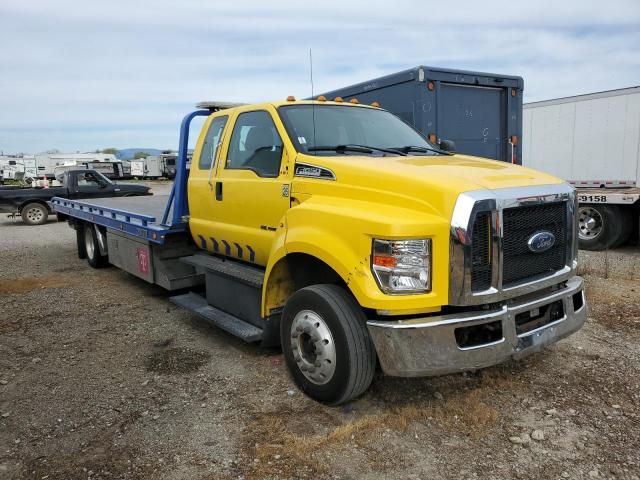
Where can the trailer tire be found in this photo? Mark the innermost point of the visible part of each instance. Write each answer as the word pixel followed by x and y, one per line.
pixel 626 221
pixel 34 213
pixel 326 344
pixel 602 227
pixel 94 258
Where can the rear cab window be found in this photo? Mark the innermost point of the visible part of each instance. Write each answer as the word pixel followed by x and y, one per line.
pixel 212 142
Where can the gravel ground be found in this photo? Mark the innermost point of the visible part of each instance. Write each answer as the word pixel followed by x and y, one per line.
pixel 102 377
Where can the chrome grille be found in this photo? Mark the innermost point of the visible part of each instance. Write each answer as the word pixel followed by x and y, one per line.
pixel 481 252
pixel 519 224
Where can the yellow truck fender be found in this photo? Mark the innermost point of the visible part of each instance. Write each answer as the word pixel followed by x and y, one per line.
pixel 335 235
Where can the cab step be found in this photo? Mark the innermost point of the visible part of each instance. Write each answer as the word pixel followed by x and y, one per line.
pixel 227 322
pixel 232 269
pixel 231 286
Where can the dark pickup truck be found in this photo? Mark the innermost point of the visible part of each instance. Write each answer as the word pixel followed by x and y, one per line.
pixel 32 203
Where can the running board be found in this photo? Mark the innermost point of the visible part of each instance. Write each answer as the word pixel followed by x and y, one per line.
pixel 229 323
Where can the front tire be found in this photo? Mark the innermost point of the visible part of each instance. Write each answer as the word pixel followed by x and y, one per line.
pixel 326 344
pixel 92 250
pixel 34 214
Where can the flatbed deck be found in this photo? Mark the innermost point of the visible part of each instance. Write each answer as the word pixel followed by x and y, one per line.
pixel 140 217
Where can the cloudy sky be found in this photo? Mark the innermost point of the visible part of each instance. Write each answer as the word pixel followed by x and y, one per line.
pixel 81 75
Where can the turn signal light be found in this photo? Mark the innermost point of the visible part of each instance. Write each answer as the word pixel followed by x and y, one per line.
pixel 431 86
pixel 384 261
pixel 433 138
pixel 514 139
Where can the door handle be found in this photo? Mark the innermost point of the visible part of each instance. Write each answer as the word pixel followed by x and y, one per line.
pixel 218 190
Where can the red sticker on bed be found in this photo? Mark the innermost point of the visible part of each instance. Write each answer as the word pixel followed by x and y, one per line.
pixel 143 260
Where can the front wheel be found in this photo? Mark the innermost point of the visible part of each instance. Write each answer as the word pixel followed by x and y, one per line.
pixel 326 344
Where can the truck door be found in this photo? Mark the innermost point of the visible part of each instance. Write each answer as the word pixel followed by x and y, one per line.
pixel 472 116
pixel 249 193
pixel 89 185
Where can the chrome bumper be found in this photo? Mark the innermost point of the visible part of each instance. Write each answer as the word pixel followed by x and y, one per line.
pixel 428 346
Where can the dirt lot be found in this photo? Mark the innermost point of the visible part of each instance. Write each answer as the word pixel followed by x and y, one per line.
pixel 102 377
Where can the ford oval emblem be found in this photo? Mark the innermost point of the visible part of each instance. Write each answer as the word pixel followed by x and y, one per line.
pixel 541 241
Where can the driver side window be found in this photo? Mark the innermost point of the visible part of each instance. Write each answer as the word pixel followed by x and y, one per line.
pixel 88 180
pixel 255 144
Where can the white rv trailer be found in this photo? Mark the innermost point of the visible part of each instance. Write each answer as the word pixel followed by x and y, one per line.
pixel 154 166
pixel 593 141
pixel 12 167
pixel 47 162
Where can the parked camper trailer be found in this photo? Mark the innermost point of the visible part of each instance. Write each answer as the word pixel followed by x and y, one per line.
pixel 154 166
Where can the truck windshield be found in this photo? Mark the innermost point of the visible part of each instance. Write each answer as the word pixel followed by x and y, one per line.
pixel 340 129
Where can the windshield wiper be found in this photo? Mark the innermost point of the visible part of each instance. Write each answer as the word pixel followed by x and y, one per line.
pixel 355 148
pixel 415 148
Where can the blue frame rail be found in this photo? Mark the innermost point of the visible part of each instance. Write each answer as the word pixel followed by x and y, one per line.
pixel 135 224
pixel 144 226
pixel 178 205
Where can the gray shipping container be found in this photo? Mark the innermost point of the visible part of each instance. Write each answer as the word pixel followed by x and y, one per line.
pixel 480 112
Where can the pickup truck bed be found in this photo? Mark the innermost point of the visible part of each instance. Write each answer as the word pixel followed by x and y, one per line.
pixel 140 217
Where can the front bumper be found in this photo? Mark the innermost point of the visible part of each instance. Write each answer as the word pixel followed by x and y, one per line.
pixel 429 346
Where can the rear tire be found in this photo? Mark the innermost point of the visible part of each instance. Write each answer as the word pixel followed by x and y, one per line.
pixel 34 214
pixel 602 227
pixel 82 251
pixel 326 344
pixel 94 258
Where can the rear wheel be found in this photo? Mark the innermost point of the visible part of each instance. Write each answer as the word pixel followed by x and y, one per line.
pixel 82 251
pixel 34 214
pixel 603 226
pixel 94 258
pixel 326 344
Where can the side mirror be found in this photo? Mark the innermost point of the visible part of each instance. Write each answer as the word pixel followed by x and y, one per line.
pixel 448 145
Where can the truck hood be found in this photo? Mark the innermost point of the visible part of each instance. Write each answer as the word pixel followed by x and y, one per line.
pixel 433 181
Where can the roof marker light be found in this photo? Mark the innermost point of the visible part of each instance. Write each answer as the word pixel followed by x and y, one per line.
pixel 338 99
pixel 291 98
pixel 375 104
pixel 322 98
pixel 354 101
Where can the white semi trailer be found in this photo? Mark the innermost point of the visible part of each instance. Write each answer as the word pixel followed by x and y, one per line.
pixel 593 141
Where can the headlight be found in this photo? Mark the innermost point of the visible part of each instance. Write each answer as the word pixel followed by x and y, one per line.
pixel 402 266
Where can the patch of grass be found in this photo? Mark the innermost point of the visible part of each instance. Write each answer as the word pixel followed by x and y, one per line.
pixel 279 450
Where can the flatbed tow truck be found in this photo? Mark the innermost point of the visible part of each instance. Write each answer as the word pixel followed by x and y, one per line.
pixel 340 233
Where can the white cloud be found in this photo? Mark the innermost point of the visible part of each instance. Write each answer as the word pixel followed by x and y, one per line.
pixel 81 75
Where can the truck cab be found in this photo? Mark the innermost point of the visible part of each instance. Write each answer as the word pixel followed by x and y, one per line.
pixel 371 238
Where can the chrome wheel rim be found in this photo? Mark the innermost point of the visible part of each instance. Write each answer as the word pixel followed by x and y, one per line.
pixel 590 223
pixel 88 243
pixel 35 214
pixel 312 346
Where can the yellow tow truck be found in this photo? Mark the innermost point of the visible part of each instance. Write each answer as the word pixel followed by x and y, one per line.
pixel 339 232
